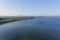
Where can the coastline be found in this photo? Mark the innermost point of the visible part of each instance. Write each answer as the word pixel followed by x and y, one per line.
pixel 3 22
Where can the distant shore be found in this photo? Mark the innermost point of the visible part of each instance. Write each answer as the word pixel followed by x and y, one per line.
pixel 6 20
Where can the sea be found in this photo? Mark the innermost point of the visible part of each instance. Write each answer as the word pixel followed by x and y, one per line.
pixel 48 28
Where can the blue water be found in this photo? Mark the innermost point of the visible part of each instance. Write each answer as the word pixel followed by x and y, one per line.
pixel 39 26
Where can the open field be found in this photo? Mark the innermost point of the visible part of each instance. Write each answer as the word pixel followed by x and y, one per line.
pixel 10 19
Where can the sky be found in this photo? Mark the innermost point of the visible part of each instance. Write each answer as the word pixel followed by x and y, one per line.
pixel 30 7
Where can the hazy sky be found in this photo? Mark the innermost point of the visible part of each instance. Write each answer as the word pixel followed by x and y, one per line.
pixel 30 7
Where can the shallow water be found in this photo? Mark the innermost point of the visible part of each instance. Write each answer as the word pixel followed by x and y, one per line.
pixel 47 28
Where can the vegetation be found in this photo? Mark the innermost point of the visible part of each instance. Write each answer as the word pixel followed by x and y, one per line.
pixel 10 19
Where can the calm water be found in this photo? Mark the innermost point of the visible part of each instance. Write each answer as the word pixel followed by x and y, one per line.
pixel 47 28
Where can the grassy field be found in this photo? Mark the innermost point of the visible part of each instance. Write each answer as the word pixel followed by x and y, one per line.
pixel 5 20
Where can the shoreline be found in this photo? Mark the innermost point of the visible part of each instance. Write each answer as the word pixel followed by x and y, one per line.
pixel 12 21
